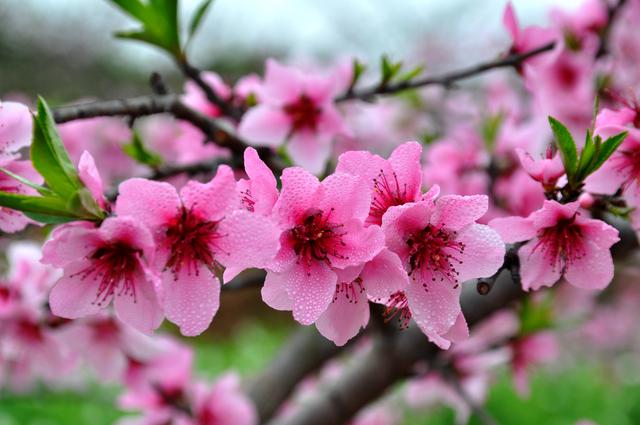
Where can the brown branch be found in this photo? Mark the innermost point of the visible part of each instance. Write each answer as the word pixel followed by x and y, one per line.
pixel 387 361
pixel 512 60
pixel 612 14
pixel 304 353
pixel 150 105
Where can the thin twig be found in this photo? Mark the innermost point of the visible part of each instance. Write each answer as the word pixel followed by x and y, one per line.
pixel 512 60
pixel 612 13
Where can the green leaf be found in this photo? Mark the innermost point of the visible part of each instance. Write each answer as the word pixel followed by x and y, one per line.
pixel 196 19
pixel 566 146
pixel 82 202
pixel 140 153
pixel 49 156
pixel 586 157
pixel 491 129
pixel 607 149
pixel 388 69
pixel 41 189
pixel 159 19
pixel 50 205
pixel 49 219
pixel 413 73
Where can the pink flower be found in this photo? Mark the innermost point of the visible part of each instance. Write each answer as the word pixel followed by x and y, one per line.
pixel 196 232
pixel 15 129
pixel 349 310
pixel 103 264
pixel 195 98
pixel 441 246
pixel 562 242
pixel 222 404
pixel 12 221
pixel 528 38
pixel 323 231
pixel 531 350
pixel 395 181
pixel 546 170
pixel 298 108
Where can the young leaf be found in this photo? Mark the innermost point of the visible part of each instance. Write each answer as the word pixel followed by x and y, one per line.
pixel 50 205
pixel 607 149
pixel 586 157
pixel 49 156
pixel 196 19
pixel 413 73
pixel 139 152
pixel 159 19
pixel 566 146
pixel 41 189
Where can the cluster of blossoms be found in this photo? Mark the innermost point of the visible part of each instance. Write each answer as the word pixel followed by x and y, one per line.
pixel 399 226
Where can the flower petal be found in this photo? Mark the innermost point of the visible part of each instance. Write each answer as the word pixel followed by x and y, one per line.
pixel 191 299
pixel 454 211
pixel 344 317
pixel 483 252
pixel 535 270
pixel 141 311
pixel 150 202
pixel 76 295
pixel 264 125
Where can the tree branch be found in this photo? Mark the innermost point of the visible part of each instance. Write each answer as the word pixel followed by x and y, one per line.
pixel 305 352
pixel 387 361
pixel 512 60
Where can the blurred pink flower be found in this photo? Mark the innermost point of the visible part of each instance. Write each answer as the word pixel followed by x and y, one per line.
pixel 12 221
pixel 15 130
pixel 298 108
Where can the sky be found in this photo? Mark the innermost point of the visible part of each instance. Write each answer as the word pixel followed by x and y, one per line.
pixel 303 29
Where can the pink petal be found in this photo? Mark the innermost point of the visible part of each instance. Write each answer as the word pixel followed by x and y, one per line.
pixel 459 331
pixel 606 180
pixel 143 311
pixel 309 150
pixel 435 310
pixel 274 293
pixel 212 200
pixel 454 211
pixel 127 230
pixel 264 125
pixel 510 21
pixel 399 221
pixel 15 129
pixel 282 84
pixel 75 295
pixel 321 89
pixel 91 178
pixel 405 161
pixel 251 240
pixel 535 270
pixel 384 275
pixel 600 233
pixel 344 317
pixel 483 252
pixel 331 123
pixel 594 270
pixel 150 202
pixel 263 183
pixel 361 244
pixel 513 229
pixel 70 243
pixel 551 212
pixel 298 190
pixel 310 291
pixel 191 300
pixel 348 196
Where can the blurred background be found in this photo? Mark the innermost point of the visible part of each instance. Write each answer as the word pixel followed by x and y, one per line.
pixel 64 50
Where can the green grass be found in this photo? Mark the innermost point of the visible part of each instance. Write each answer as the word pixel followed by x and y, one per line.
pixel 584 391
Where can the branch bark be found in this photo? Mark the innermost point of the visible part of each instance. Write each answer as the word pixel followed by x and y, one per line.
pixel 512 60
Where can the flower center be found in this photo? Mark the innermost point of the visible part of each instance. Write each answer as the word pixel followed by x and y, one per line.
pixel 349 290
pixel 561 244
pixel 434 252
pixel 303 113
pixel 316 238
pixel 191 240
pixel 386 194
pixel 30 331
pixel 115 266
pixel 398 306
